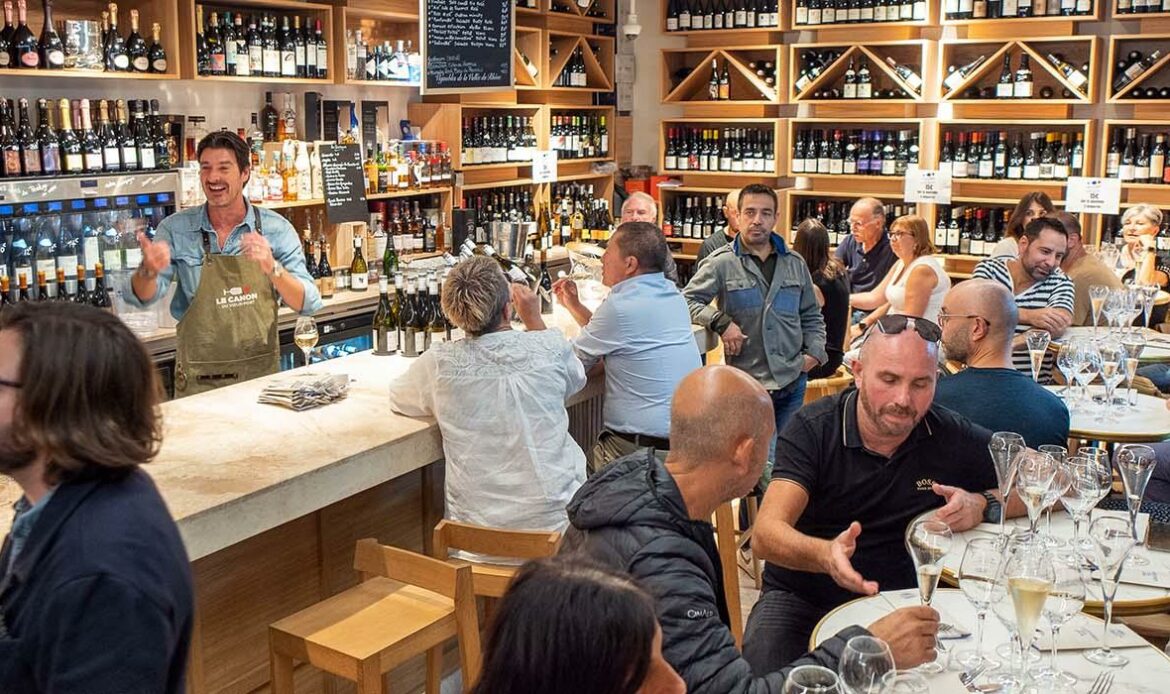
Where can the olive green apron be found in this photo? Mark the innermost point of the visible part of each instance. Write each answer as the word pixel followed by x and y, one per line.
pixel 229 333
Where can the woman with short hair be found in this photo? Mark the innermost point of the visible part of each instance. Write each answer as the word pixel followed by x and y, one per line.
pixel 915 285
pixel 1139 227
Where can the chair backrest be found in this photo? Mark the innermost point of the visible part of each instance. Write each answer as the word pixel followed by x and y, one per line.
pixel 520 544
pixel 451 579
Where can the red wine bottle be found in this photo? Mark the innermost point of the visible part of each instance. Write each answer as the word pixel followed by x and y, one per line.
pixel 51 49
pixel 6 36
pixel 24 44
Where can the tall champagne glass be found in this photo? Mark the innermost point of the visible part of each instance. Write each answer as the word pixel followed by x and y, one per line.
pixel 1089 482
pixel 1059 484
pixel 1004 447
pixel 928 541
pixel 1112 542
pixel 1029 577
pixel 1035 471
pixel 1038 341
pixel 1133 344
pixel 978 574
pixel 1065 601
pixel 1135 464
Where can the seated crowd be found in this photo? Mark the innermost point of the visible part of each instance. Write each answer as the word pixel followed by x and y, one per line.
pixel 635 600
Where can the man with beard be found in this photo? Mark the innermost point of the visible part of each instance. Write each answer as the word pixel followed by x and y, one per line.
pixel 1044 294
pixel 95 586
pixel 978 320
pixel 852 471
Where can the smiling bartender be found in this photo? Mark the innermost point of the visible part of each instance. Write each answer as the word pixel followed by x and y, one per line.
pixel 226 304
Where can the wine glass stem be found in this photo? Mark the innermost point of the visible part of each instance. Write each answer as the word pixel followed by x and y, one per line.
pixel 1108 620
pixel 306 351
pixel 980 616
pixel 1052 653
pixel 1048 521
pixel 1076 531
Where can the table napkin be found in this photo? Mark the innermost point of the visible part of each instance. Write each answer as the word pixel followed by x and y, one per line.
pixel 1082 633
pixel 306 391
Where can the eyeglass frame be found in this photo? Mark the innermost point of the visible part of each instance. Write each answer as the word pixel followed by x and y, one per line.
pixel 900 322
pixel 943 318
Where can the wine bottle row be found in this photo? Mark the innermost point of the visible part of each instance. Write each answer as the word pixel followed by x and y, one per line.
pixel 989 155
pixel 1128 7
pixel 580 215
pixel 701 15
pixel 266 46
pixel 1015 9
pixel 732 150
pixel 970 229
pixel 857 81
pixel 63 47
pixel 497 140
pixel 694 217
pixel 80 136
pixel 1133 158
pixel 854 152
pixel 573 74
pixel 400 165
pixel 508 204
pixel 399 228
pixel 410 320
pixel 381 62
pixel 579 137
pixel 834 214
pixel 818 12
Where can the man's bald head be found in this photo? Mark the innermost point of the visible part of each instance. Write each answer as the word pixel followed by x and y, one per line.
pixel 731 210
pixel 716 409
pixel 981 317
pixel 895 376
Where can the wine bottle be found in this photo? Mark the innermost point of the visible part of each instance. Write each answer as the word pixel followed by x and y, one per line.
pixel 202 50
pixel 91 144
pixel 50 48
pixel 6 37
pixel 956 78
pixel 30 154
pixel 385 321
pixel 70 146
pixel 100 296
pixel 136 46
pixel 47 141
pixel 25 53
pixel 359 277
pixel 127 147
pixel 8 144
pixel 908 76
pixel 156 55
pixel 117 59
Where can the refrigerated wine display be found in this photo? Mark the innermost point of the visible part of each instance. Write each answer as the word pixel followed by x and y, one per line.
pixel 834 214
pixel 998 155
pixel 859 152
pixel 731 150
pixel 262 45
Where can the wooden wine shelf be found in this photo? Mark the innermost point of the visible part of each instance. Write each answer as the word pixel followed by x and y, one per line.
pixel 781 8
pixel 746 88
pixel 385 20
pixel 998 188
pixel 1014 27
pixel 1119 46
pixel 1075 50
pixel 775 125
pixel 598 69
pixel 927 155
pixel 910 53
pixel 1153 193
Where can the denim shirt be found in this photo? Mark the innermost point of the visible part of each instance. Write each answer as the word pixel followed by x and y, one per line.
pixel 22 525
pixel 184 230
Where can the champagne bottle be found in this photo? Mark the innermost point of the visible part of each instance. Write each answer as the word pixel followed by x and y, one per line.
pixel 24 45
pixel 117 59
pixel 385 326
pixel 51 50
pixel 6 36
pixel 47 141
pixel 136 47
pixel 71 152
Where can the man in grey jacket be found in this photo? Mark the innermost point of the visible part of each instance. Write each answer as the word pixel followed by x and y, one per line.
pixel 765 308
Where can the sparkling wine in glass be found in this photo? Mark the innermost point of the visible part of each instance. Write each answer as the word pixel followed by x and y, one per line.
pixel 1038 341
pixel 1112 542
pixel 864 661
pixel 928 541
pixel 1034 475
pixel 1135 464
pixel 1097 295
pixel 1065 601
pixel 978 571
pixel 1029 577
pixel 305 335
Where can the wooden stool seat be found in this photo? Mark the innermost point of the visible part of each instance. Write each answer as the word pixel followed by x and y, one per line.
pixel 491 580
pixel 831 385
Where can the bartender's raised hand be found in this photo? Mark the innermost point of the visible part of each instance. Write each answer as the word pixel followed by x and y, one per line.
pixel 566 291
pixel 527 306
pixel 256 248
pixel 156 255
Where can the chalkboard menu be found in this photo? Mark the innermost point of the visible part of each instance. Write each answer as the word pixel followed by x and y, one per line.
pixel 345 184
pixel 467 45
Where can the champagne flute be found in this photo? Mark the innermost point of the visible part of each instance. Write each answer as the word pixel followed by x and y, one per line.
pixel 1060 482
pixel 1038 341
pixel 1034 474
pixel 1112 369
pixel 305 335
pixel 1135 463
pixel 1005 612
pixel 811 679
pixel 1089 483
pixel 1148 296
pixel 1132 308
pixel 1029 577
pixel 1133 344
pixel 1097 296
pixel 1114 306
pixel 978 571
pixel 1065 601
pixel 1088 366
pixel 1004 447
pixel 864 662
pixel 1066 361
pixel 1112 542
pixel 928 541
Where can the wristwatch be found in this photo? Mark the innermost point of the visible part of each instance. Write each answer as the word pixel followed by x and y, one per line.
pixel 277 270
pixel 993 510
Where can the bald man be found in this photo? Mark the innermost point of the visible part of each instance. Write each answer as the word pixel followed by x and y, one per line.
pixel 726 235
pixel 852 471
pixel 650 518
pixel 866 252
pixel 978 321
pixel 640 207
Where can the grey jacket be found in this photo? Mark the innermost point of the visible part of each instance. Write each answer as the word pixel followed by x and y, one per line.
pixel 781 320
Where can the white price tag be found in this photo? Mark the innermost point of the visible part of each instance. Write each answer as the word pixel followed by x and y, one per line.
pixel 928 186
pixel 544 166
pixel 1100 195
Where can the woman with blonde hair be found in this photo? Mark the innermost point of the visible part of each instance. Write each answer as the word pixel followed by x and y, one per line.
pixel 915 285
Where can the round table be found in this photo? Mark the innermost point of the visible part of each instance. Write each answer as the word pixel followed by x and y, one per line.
pixel 1156 351
pixel 1148 670
pixel 1151 422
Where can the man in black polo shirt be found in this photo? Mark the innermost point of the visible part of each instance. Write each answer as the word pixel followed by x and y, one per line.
pixel 851 472
pixel 866 252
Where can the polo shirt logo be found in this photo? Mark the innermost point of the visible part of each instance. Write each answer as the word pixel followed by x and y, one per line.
pixel 924 485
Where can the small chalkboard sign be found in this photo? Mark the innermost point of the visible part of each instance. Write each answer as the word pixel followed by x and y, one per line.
pixel 467 45
pixel 345 184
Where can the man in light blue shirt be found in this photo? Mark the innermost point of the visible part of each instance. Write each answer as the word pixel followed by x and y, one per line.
pixel 643 333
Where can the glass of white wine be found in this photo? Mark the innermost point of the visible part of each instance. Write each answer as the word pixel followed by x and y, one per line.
pixel 305 335
pixel 1038 341
pixel 1112 541
pixel 928 541
pixel 1029 577
pixel 1097 295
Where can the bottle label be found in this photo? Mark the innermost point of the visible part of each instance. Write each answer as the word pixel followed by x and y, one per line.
pixel 160 64
pixel 30 59
pixel 141 63
pixel 359 281
pixel 288 64
pixel 147 156
pixel 56 58
pixel 112 260
pixel 5 58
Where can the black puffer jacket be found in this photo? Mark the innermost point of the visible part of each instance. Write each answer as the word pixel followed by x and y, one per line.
pixel 631 516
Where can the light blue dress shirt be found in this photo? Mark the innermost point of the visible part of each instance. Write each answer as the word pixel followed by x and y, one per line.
pixel 643 331
pixel 183 231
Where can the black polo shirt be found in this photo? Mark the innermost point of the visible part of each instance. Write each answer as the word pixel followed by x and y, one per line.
pixel 821 450
pixel 866 269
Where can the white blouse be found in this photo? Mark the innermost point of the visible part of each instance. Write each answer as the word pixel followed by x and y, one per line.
pixel 896 289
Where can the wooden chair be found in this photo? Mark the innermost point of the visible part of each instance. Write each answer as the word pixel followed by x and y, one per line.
pixel 725 539
pixel 407 604
pixel 750 565
pixel 491 580
pixel 822 387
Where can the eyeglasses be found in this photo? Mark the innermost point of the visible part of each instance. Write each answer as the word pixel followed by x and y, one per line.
pixel 854 224
pixel 944 317
pixel 892 325
pixel 898 234
pixel 10 384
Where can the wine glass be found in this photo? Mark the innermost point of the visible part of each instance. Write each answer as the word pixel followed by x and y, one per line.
pixel 1060 482
pixel 928 541
pixel 1066 361
pixel 1148 295
pixel 1088 366
pixel 811 679
pixel 1065 601
pixel 305 335
pixel 1114 307
pixel 1135 463
pixel 1029 577
pixel 1132 308
pixel 1004 447
pixel 1097 295
pixel 1034 473
pixel 1037 345
pixel 1113 357
pixel 978 571
pixel 1089 482
pixel 1112 542
pixel 1005 611
pixel 1133 344
pixel 864 662
pixel 904 682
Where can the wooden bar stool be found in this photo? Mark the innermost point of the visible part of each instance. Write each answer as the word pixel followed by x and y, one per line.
pixel 491 580
pixel 406 604
pixel 725 539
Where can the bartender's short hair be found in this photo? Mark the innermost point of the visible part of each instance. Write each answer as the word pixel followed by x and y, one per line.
pixel 88 399
pixel 226 139
pixel 643 241
pixel 475 294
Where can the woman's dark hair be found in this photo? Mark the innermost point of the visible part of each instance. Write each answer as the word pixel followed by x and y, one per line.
pixel 226 139
pixel 812 243
pixel 88 395
pixel 1015 223
pixel 571 627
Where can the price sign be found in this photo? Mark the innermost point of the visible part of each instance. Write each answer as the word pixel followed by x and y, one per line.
pixel 345 184
pixel 544 166
pixel 928 186
pixel 1100 195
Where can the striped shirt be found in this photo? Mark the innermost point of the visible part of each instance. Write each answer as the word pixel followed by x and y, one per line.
pixel 1054 291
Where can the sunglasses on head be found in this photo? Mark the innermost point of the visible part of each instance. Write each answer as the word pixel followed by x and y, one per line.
pixel 894 324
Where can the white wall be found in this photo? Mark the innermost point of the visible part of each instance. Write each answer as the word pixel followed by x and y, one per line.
pixel 648 108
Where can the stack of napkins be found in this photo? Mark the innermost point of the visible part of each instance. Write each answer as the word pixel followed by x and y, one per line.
pixel 306 392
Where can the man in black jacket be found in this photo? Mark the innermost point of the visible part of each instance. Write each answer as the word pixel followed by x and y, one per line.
pixel 650 519
pixel 95 586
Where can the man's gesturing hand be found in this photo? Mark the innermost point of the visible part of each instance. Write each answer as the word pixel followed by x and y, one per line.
pixel 839 566
pixel 962 510
pixel 156 255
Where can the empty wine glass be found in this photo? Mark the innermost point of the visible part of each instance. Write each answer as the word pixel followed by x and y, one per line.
pixel 1060 482
pixel 811 679
pixel 1135 463
pixel 864 663
pixel 1112 369
pixel 978 571
pixel 1066 361
pixel 1089 482
pixel 305 335
pixel 1148 295
pixel 1029 575
pixel 904 682
pixel 928 541
pixel 1133 344
pixel 1088 366
pixel 1038 341
pixel 1114 307
pixel 1132 308
pixel 1065 601
pixel 1112 542
pixel 1097 296
pixel 1004 447
pixel 1034 473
